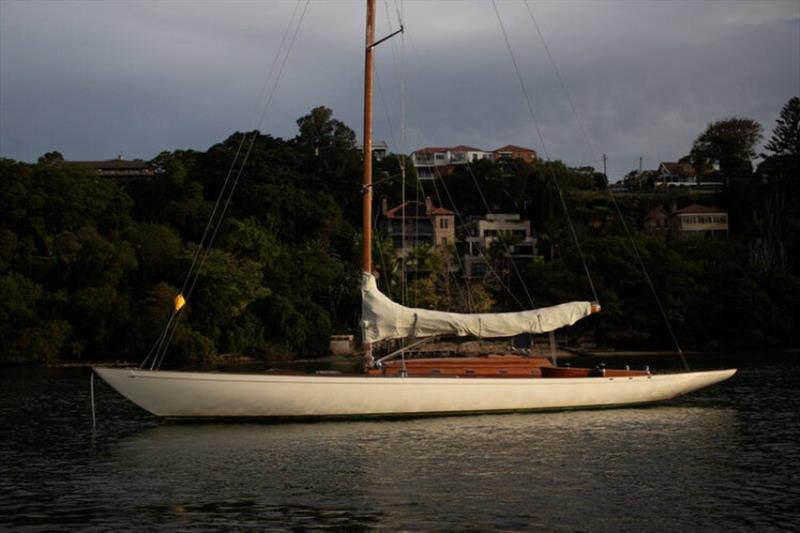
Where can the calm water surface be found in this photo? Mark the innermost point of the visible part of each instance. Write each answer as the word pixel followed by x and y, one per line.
pixel 723 459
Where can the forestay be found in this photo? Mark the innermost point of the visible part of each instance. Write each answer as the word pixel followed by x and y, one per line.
pixel 381 318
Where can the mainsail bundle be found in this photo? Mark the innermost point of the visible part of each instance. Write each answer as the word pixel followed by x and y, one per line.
pixel 381 318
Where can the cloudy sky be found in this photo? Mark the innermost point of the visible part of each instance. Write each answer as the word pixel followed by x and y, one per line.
pixel 96 79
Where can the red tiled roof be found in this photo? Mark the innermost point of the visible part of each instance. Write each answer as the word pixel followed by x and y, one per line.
pixel 695 209
pixel 513 148
pixel 679 169
pixel 117 164
pixel 464 148
pixel 415 210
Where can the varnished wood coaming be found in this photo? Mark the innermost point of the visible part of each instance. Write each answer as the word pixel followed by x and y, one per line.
pixel 494 366
pixel 569 372
pixel 511 366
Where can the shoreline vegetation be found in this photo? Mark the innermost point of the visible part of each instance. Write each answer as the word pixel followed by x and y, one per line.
pixel 90 265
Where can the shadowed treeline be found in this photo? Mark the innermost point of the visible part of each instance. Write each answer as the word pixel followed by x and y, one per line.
pixel 88 269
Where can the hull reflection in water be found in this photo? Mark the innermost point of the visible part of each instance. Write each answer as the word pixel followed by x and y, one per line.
pixel 212 395
pixel 439 473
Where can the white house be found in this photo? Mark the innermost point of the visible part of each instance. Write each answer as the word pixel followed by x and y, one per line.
pixel 486 230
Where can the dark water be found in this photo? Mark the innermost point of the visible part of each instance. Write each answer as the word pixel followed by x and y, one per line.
pixel 723 459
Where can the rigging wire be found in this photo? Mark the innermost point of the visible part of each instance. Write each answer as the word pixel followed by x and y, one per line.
pixel 203 250
pixel 232 189
pixel 468 298
pixel 464 223
pixel 419 185
pixel 402 76
pixel 506 246
pixel 399 68
pixel 159 344
pixel 593 154
pixel 544 150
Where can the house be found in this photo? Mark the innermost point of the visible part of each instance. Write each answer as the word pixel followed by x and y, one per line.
pixel 485 231
pixel 510 151
pixel 656 222
pixel 684 175
pixel 424 224
pixel 675 174
pixel 637 181
pixel 461 154
pixel 379 149
pixel 698 221
pixel 119 169
pixel 433 161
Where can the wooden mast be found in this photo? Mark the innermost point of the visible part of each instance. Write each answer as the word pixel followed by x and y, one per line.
pixel 367 179
pixel 366 198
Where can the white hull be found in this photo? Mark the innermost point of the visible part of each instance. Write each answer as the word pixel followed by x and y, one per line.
pixel 201 395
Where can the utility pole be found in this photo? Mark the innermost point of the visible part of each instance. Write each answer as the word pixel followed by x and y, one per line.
pixel 605 173
pixel 640 174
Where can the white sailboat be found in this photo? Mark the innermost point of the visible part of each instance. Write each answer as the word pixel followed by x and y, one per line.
pixel 448 386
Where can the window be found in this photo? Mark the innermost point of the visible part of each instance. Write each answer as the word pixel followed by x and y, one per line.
pixel 444 223
pixel 523 249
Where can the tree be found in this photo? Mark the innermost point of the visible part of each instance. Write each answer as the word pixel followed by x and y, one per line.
pixel 730 143
pixel 785 140
pixel 331 162
pixel 51 158
pixel 781 172
pixel 319 130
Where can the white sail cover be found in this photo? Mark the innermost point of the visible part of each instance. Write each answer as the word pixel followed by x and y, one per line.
pixel 381 318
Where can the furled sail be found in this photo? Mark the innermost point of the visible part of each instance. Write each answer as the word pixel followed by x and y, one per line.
pixel 381 318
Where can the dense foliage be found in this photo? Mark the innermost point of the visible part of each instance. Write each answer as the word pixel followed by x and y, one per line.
pixel 89 268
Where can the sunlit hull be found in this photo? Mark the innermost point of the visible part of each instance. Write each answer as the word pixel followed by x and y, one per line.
pixel 216 395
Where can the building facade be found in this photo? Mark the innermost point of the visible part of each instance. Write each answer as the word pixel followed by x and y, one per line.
pixel 379 150
pixel 433 161
pixel 424 223
pixel 699 221
pixel 675 174
pixel 119 169
pixel 510 151
pixel 503 234
pixel 656 222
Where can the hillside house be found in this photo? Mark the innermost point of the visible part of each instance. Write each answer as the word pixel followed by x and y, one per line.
pixel 424 224
pixel 119 169
pixel 675 175
pixel 510 151
pixel 433 161
pixel 698 221
pixel 379 149
pixel 487 230
pixel 656 222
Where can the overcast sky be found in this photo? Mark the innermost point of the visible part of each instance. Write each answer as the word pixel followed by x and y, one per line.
pixel 96 79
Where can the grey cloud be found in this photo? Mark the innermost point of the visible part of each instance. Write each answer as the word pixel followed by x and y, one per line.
pixel 94 79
